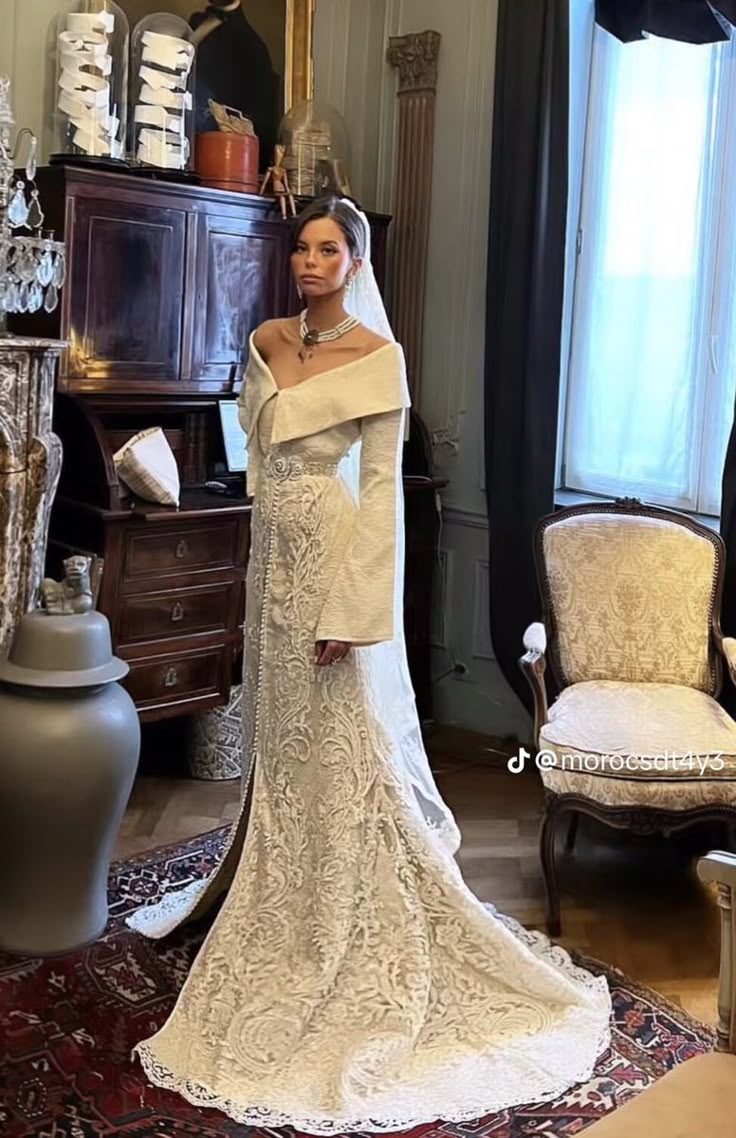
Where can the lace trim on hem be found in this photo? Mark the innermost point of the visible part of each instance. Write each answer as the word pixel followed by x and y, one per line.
pixel 547 1089
pixel 546 950
pixel 157 920
pixel 261 1116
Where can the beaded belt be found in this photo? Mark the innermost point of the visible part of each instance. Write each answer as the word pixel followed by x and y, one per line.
pixel 282 467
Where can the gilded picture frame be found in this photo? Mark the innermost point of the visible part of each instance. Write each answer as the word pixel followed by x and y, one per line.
pixel 299 79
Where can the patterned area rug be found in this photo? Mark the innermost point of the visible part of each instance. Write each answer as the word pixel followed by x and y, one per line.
pixel 68 1025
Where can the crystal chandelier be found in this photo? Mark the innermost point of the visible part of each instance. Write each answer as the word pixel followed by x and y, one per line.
pixel 32 264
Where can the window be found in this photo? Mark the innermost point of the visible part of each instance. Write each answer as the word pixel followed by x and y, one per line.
pixel 651 374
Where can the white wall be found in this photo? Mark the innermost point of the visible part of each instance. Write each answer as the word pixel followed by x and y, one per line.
pixel 24 28
pixel 351 73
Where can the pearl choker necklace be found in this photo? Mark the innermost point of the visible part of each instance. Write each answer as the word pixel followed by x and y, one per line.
pixel 310 338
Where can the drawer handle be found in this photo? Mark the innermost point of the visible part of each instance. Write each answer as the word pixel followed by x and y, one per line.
pixel 177 613
pixel 181 550
pixel 171 678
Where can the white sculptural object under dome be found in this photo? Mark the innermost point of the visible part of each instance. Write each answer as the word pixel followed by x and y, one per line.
pixel 316 149
pixel 90 40
pixel 162 93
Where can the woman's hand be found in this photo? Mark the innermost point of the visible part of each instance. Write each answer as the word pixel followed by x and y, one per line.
pixel 330 652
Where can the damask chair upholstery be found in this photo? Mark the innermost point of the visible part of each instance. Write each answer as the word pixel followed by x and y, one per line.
pixel 631 631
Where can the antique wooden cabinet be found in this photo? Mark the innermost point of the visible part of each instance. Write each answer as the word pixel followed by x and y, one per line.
pixel 165 284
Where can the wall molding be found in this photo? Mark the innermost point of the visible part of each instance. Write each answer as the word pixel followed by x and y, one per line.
pixel 349 70
pixel 473 234
pixel 442 591
pixel 482 647
pixel 388 112
pixel 459 516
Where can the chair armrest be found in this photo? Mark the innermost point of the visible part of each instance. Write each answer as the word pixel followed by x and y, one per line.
pixel 533 664
pixel 720 868
pixel 728 647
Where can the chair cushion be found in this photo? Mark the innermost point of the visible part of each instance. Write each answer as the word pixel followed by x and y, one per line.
pixel 697 1099
pixel 632 598
pixel 658 745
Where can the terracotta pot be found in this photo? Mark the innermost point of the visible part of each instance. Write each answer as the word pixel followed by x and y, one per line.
pixel 228 161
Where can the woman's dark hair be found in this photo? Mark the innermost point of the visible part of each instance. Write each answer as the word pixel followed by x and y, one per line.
pixel 336 209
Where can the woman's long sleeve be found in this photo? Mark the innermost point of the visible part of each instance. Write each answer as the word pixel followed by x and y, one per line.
pixel 361 604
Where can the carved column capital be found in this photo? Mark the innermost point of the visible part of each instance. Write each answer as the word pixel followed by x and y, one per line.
pixel 415 56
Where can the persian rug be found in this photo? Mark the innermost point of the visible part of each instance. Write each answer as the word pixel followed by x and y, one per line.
pixel 68 1025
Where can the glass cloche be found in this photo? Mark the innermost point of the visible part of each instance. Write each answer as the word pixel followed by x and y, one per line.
pixel 90 40
pixel 316 149
pixel 162 77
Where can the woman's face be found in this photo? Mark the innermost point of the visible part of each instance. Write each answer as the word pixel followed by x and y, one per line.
pixel 322 261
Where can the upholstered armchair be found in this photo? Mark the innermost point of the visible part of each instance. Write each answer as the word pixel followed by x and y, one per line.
pixel 632 649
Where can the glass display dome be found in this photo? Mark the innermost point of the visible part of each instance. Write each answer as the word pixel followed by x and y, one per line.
pixel 162 93
pixel 316 149
pixel 90 41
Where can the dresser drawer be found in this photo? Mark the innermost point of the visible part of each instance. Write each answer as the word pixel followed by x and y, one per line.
pixel 180 550
pixel 176 679
pixel 175 612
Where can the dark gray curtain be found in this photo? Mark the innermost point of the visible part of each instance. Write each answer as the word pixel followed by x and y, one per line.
pixel 526 272
pixel 690 21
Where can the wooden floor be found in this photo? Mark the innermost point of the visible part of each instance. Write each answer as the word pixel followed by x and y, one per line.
pixel 634 903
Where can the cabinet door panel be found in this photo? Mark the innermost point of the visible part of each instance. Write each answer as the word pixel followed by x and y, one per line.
pixel 127 287
pixel 242 267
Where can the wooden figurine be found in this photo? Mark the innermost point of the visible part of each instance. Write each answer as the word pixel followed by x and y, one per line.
pixel 280 179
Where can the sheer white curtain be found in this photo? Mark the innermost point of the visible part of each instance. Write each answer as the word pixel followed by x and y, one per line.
pixel 652 365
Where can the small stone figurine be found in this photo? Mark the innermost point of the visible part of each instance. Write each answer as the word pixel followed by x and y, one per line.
pixel 280 179
pixel 76 593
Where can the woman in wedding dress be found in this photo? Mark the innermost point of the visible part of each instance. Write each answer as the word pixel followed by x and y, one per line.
pixel 351 980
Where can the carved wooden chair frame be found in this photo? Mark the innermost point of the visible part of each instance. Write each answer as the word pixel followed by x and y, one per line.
pixel 639 820
pixel 719 868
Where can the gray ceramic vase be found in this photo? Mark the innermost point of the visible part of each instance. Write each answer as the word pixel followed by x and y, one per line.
pixel 69 749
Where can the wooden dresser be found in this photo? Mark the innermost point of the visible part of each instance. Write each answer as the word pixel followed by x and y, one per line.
pixel 165 284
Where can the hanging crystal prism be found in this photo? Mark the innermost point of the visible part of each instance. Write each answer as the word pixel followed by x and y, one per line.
pixel 45 270
pixel 52 298
pixel 35 297
pixel 18 208
pixel 32 164
pixel 35 213
pixel 26 265
pixel 59 270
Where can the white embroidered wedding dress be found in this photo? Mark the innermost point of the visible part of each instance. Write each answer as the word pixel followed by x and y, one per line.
pixel 350 981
